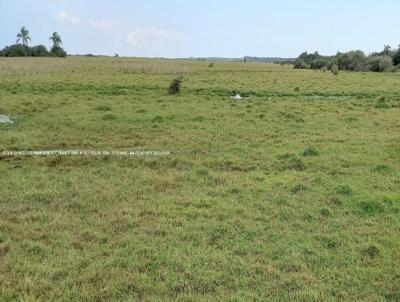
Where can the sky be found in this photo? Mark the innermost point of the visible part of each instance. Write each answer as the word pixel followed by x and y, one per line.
pixel 206 28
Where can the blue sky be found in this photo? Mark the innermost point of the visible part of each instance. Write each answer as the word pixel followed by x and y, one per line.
pixel 225 28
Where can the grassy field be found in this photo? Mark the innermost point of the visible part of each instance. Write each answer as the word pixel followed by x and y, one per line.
pixel 291 195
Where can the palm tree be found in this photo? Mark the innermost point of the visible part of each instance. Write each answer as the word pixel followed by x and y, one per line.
pixel 23 36
pixel 56 39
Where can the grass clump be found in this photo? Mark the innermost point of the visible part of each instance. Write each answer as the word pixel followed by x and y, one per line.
pixel 311 151
pixel 344 190
pixel 382 103
pixel 299 188
pixel 372 252
pixel 103 108
pixel 291 162
pixel 109 117
pixel 370 207
pixel 383 169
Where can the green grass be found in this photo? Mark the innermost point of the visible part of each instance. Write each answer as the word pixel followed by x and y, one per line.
pixel 292 195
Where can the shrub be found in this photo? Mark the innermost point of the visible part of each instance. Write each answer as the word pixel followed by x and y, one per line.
pixel 57 51
pixel 211 65
pixel 301 65
pixel 16 50
pixel 380 63
pixel 335 69
pixel 39 51
pixel 175 86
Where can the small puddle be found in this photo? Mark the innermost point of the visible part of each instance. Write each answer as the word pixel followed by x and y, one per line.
pixel 5 119
pixel 238 97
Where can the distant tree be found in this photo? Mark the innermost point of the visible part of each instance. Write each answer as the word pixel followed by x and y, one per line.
pixel 396 57
pixel 56 39
pixel 386 50
pixel 57 50
pixel 23 36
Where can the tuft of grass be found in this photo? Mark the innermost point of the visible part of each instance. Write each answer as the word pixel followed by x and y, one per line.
pixel 103 108
pixel 290 161
pixel 383 169
pixel 371 207
pixel 325 212
pixel 311 151
pixel 382 102
pixel 157 119
pixel 345 190
pixel 109 117
pixel 299 188
pixel 372 252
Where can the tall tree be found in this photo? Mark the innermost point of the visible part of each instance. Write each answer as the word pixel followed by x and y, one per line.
pixel 56 39
pixel 23 36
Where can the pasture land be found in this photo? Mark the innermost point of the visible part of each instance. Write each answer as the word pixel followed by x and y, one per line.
pixel 291 195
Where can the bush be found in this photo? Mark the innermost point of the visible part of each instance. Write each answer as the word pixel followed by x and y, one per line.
pixel 39 51
pixel 57 51
pixel 175 86
pixel 335 69
pixel 16 50
pixel 301 65
pixel 380 63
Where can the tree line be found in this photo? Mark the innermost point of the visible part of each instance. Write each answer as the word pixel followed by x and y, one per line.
pixel 22 49
pixel 387 60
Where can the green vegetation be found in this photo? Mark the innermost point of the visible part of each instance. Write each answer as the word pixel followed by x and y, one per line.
pixel 290 195
pixel 23 50
pixel 384 61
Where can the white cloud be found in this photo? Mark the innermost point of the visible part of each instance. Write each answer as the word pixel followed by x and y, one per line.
pixel 145 37
pixel 101 25
pixel 66 18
